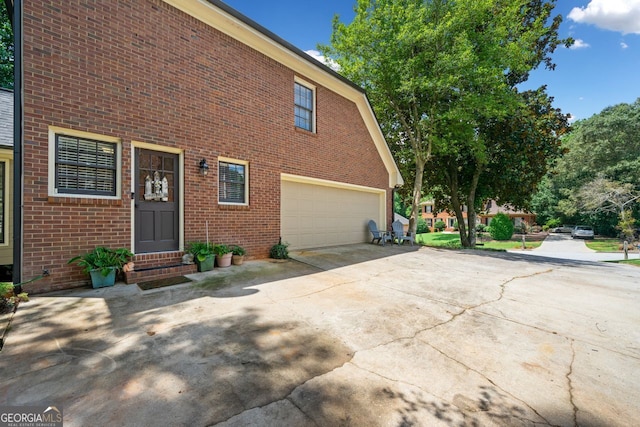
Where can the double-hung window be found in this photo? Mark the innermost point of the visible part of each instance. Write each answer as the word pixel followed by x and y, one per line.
pixel 233 182
pixel 83 164
pixel 304 106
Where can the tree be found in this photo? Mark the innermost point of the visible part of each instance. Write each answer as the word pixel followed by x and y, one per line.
pixel 608 144
pixel 6 50
pixel 604 195
pixel 436 70
pixel 517 152
pixel 401 52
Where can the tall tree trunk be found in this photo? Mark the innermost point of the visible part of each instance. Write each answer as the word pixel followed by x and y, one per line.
pixel 471 206
pixel 455 203
pixel 416 196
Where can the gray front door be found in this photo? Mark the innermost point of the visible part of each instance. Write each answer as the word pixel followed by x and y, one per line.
pixel 156 201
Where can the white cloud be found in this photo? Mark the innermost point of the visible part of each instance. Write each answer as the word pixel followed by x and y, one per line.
pixel 624 45
pixel 614 15
pixel 579 44
pixel 328 62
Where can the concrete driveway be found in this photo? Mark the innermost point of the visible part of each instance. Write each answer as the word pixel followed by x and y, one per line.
pixel 357 335
pixel 563 246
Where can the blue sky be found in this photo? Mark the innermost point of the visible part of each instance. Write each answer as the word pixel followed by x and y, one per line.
pixel 601 69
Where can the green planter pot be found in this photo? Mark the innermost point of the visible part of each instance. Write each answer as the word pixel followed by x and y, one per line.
pixel 98 280
pixel 206 264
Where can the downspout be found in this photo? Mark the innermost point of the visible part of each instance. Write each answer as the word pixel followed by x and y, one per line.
pixel 18 133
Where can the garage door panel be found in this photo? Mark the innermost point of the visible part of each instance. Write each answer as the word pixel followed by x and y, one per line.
pixel 320 215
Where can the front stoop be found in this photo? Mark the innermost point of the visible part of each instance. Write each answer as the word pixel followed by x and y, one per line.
pixel 158 266
pixel 160 272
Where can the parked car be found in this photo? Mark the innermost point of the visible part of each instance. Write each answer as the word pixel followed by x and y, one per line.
pixel 582 232
pixel 565 228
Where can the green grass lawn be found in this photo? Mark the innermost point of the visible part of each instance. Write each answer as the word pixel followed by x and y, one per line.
pixel 452 240
pixel 604 244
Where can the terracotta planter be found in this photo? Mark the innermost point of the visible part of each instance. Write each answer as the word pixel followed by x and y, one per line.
pixel 224 260
pixel 237 259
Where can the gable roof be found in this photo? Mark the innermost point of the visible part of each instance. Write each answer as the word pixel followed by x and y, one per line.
pixel 6 118
pixel 229 21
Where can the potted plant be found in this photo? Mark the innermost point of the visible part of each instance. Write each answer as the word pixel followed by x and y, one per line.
pixel 238 255
pixel 223 255
pixel 102 264
pixel 279 250
pixel 202 254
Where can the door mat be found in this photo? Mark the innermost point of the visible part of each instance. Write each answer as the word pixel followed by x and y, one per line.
pixel 161 283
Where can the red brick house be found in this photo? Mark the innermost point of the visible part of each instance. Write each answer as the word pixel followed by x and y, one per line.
pixel 431 216
pixel 124 102
pixel 518 217
pixel 484 217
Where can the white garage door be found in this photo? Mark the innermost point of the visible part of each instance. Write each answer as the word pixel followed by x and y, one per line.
pixel 315 215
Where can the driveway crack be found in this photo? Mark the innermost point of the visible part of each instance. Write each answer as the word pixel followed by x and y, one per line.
pixel 489 380
pixel 570 383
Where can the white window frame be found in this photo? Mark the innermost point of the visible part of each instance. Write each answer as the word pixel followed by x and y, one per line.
pixel 5 200
pixel 53 191
pixel 312 88
pixel 246 180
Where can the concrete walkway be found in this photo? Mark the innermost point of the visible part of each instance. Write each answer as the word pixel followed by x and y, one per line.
pixel 357 335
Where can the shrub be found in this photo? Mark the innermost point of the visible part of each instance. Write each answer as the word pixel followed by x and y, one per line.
pixel 523 228
pixel 455 226
pixel 553 223
pixel 279 250
pixel 481 228
pixel 439 225
pixel 8 299
pixel 501 227
pixel 422 226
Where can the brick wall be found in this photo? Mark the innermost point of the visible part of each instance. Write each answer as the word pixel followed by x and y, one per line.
pixel 143 71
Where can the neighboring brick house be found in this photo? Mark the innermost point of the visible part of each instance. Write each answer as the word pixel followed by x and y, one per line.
pixel 431 216
pixel 484 217
pixel 124 101
pixel 6 184
pixel 518 217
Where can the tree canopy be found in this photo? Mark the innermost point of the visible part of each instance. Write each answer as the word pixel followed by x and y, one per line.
pixel 6 49
pixel 603 149
pixel 441 77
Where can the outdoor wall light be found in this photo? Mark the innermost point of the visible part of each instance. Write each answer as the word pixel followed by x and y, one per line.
pixel 204 167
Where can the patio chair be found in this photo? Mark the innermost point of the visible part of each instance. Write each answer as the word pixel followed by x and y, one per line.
pixel 380 236
pixel 398 233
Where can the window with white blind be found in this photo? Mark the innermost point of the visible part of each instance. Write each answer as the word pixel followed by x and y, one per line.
pixel 85 166
pixel 233 182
